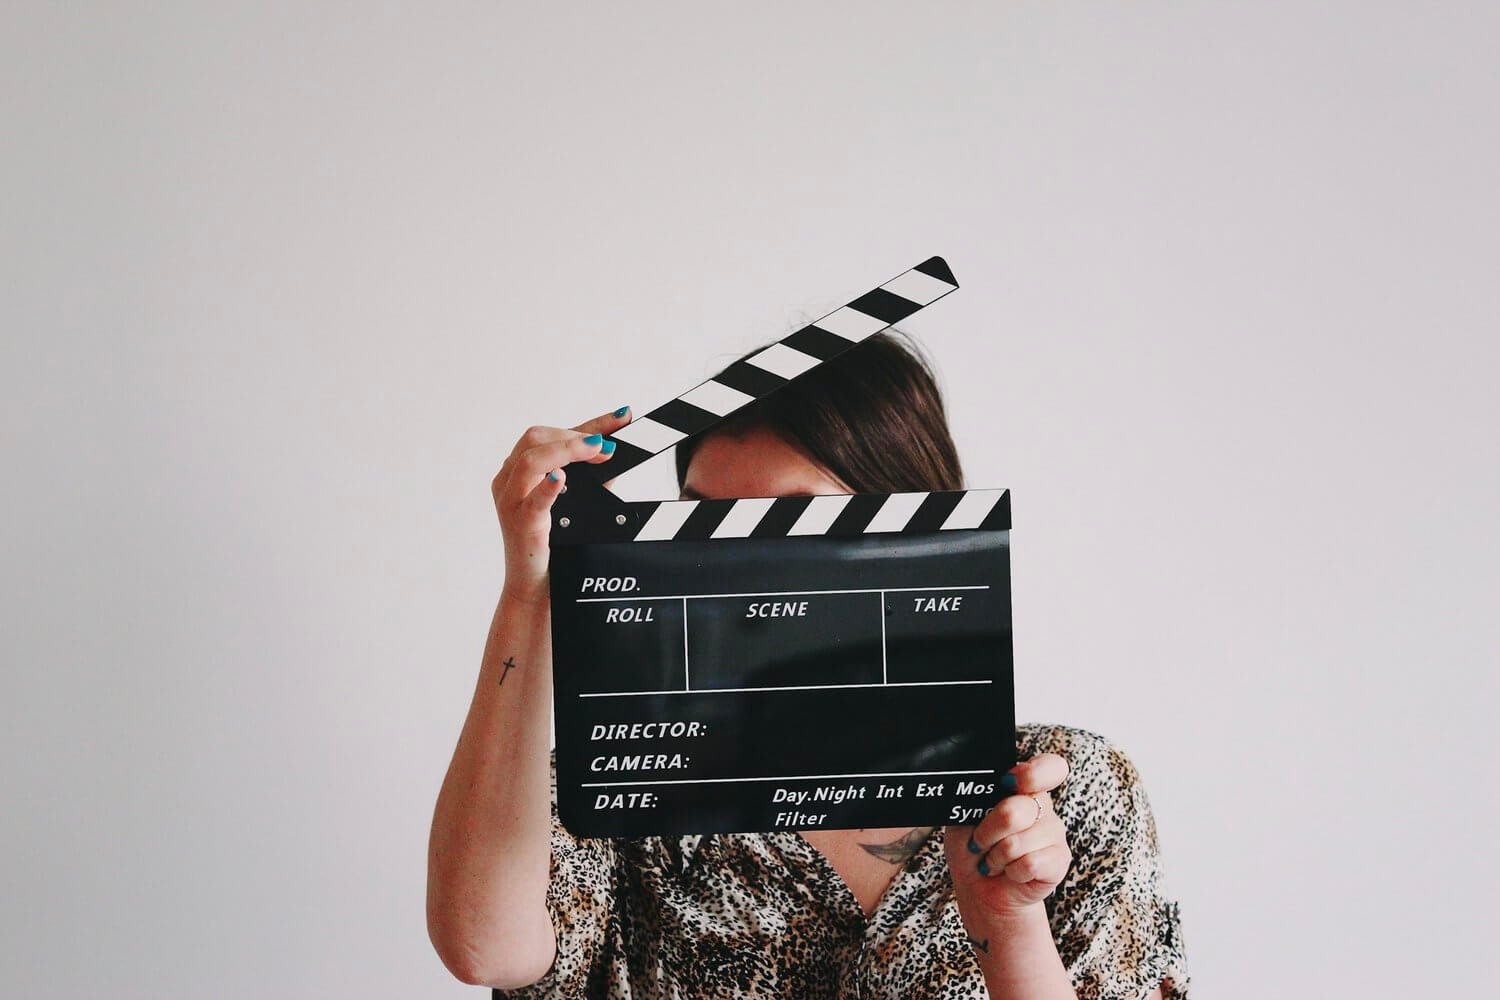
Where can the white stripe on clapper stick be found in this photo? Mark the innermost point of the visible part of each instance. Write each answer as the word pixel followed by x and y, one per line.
pixel 820 515
pixel 743 517
pixel 895 512
pixel 783 360
pixel 717 398
pixel 648 435
pixel 665 520
pixel 851 323
pixel 972 509
pixel 914 286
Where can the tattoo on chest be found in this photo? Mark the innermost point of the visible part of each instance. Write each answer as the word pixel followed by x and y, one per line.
pixel 979 945
pixel 902 849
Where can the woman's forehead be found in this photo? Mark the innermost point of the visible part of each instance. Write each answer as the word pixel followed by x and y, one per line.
pixel 758 462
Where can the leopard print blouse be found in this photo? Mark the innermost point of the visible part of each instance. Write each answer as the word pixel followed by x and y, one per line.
pixel 766 914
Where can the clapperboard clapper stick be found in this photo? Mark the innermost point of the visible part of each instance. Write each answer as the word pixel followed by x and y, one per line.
pixel 779 663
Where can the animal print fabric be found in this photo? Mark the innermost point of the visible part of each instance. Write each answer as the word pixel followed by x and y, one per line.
pixel 766 915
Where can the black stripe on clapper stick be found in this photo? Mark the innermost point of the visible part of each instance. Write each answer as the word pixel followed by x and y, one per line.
pixel 778 520
pixel 857 514
pixel 704 519
pixel 934 511
pixel 999 516
pixel 884 305
pixel 626 457
pixel 750 380
pixel 684 416
pixel 937 267
pixel 817 343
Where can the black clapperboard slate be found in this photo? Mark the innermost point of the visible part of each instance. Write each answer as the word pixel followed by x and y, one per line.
pixel 791 663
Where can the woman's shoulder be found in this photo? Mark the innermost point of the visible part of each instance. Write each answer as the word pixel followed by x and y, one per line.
pixel 1033 738
pixel 1103 790
pixel 1118 930
pixel 1090 749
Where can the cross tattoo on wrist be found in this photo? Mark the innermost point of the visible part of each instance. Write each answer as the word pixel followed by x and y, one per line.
pixel 509 665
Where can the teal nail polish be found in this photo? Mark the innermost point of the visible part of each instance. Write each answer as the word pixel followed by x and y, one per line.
pixel 984 868
pixel 593 439
pixel 973 847
pixel 622 411
pixel 608 449
pixel 553 476
pixel 1008 782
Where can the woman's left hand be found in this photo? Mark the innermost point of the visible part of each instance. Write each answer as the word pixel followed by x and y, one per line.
pixel 1018 853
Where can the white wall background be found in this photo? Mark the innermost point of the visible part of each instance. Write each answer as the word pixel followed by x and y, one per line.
pixel 280 284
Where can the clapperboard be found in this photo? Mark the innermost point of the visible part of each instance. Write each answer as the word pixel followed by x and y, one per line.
pixel 779 663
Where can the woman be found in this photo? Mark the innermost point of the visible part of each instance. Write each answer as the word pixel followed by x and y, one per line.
pixel 1056 893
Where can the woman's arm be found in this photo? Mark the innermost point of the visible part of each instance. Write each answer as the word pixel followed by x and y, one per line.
pixel 1113 931
pixel 1020 959
pixel 1009 864
pixel 489 854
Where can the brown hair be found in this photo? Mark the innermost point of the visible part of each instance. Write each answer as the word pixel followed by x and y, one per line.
pixel 873 416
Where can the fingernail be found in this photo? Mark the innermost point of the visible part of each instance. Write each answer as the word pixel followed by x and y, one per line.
pixel 973 847
pixel 622 411
pixel 984 868
pixel 608 449
pixel 553 476
pixel 593 439
pixel 1008 782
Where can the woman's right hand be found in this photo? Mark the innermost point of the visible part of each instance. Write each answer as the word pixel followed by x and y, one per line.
pixel 524 492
